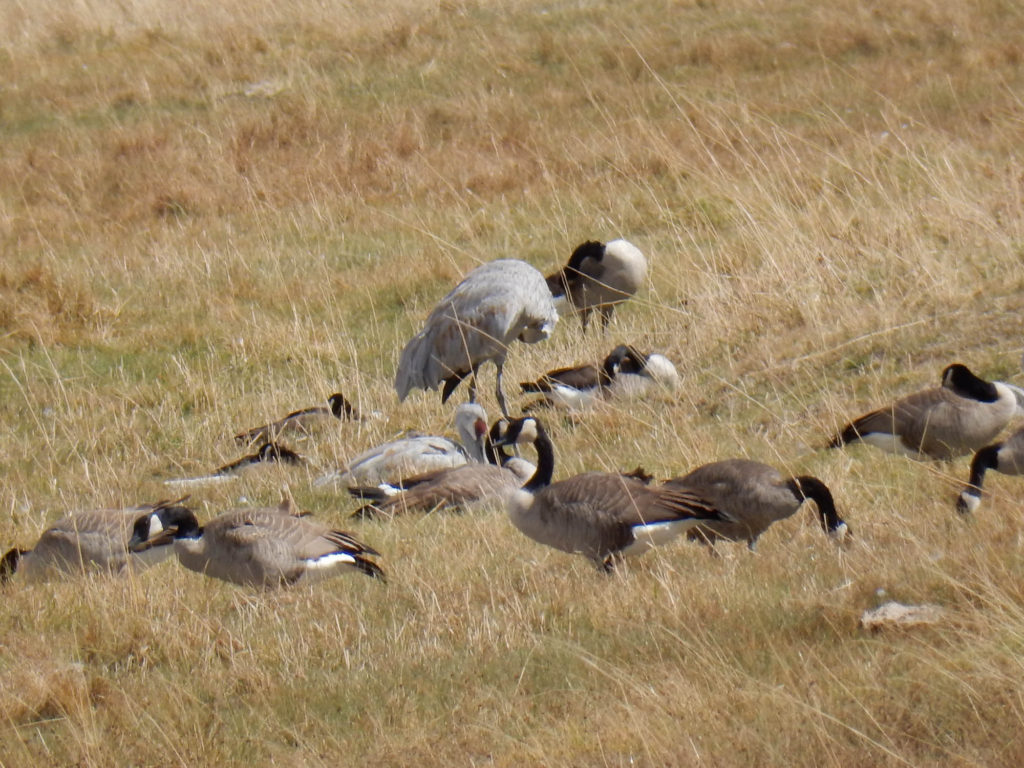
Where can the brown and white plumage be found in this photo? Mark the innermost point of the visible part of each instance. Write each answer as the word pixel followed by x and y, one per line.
pixel 455 487
pixel 578 386
pixel 415 454
pixel 494 305
pixel 749 497
pixel 271 547
pixel 1006 457
pixel 944 422
pixel 303 422
pixel 267 454
pixel 601 515
pixel 640 373
pixel 598 277
pixel 96 541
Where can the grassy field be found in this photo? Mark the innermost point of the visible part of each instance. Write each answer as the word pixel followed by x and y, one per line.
pixel 212 215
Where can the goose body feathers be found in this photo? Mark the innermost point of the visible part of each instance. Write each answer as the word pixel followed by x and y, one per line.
pixel 598 277
pixel 601 515
pixel 97 540
pixel 961 416
pixel 270 547
pixel 303 422
pixel 749 497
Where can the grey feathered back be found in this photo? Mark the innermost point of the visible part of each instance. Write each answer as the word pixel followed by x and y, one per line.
pixel 494 305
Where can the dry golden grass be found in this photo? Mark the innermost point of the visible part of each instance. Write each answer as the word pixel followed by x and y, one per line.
pixel 212 214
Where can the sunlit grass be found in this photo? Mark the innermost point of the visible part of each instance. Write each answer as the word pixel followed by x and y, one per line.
pixel 211 215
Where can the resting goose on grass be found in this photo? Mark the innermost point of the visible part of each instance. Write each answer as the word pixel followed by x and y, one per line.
pixel 304 422
pixel 97 541
pixel 267 547
pixel 639 373
pixel 962 415
pixel 602 515
pixel 266 454
pixel 579 386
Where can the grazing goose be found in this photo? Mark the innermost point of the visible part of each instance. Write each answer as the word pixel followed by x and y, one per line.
pixel 267 547
pixel 1006 457
pixel 602 515
pixel 578 386
pixel 303 422
pixel 97 540
pixel 599 276
pixel 749 496
pixel 268 453
pixel 453 487
pixel 961 416
pixel 415 454
pixel 497 303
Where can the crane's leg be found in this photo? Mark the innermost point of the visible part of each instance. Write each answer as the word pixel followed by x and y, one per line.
pixel 606 316
pixel 499 394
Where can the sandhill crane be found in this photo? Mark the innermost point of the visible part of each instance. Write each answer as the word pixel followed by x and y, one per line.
pixel 602 515
pixel 303 422
pixel 1006 457
pixel 415 454
pixel 267 547
pixel 749 497
pixel 598 277
pixel 97 540
pixel 495 304
pixel 961 416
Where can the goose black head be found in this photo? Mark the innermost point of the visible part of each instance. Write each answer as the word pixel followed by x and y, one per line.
pixel 959 378
pixel 342 408
pixel 162 526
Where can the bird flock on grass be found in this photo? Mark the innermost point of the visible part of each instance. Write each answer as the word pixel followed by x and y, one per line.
pixel 604 516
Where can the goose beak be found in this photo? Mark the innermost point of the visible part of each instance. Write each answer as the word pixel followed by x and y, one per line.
pixel 842 535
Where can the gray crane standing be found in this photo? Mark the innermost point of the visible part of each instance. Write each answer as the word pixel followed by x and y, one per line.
pixel 495 304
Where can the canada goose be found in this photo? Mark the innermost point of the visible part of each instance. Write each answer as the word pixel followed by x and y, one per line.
pixel 268 453
pixel 599 276
pixel 602 515
pixel 303 422
pixel 639 371
pixel 961 416
pixel 749 496
pixel 267 547
pixel 497 303
pixel 416 454
pixel 578 386
pixel 97 540
pixel 453 487
pixel 1006 457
